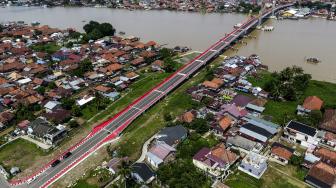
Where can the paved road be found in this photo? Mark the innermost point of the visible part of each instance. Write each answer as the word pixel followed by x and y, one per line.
pixel 117 124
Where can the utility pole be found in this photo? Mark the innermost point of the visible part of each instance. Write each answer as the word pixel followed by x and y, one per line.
pixel 273 8
pixel 260 17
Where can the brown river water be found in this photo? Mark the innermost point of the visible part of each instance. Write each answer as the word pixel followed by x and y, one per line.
pixel 288 44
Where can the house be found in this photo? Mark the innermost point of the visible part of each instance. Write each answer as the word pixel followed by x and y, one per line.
pixel 84 100
pixel 243 144
pixel 141 173
pixel 254 165
pixel 328 139
pixel 214 84
pixel 41 129
pixel 5 118
pixel 309 104
pixel 114 164
pixel 132 75
pixel 255 133
pixel 254 109
pixel 58 115
pixel 223 125
pixel 103 89
pixel 300 133
pixel 234 111
pixel 329 120
pixel 157 65
pixel 326 155
pixel 321 175
pixel 269 126
pixel 172 135
pixel 215 162
pixel 280 153
pixel 112 96
pixel 159 154
pixel 51 106
pixel 241 100
pixel 188 117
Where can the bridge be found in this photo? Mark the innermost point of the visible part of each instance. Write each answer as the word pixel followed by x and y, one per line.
pixel 113 127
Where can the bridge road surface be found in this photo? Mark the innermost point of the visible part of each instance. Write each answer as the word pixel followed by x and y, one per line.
pixel 118 123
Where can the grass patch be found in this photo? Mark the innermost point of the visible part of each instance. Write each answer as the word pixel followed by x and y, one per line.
pixel 49 48
pixel 84 184
pixel 188 57
pixel 271 179
pixel 96 178
pixel 20 153
pixel 135 90
pixel 242 180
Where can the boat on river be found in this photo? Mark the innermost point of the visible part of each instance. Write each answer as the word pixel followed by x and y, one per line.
pixel 314 60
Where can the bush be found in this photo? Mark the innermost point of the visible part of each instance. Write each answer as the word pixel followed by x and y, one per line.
pixel 296 160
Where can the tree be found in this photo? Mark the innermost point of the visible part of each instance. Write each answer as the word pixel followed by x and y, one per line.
pixel 95 34
pixel 51 85
pixel 106 29
pixel 76 111
pixel 73 124
pixel 69 44
pixel 84 67
pixel 199 125
pixel 169 65
pixel 95 30
pixel 67 103
pixel 289 84
pixel 23 112
pixel 74 35
pixel 41 90
pixel 166 53
pixel 88 28
pixel 296 160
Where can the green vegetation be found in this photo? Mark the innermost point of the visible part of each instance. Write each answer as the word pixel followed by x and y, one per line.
pixel 242 180
pixel 296 160
pixel 96 105
pixel 84 66
pixel 95 30
pixel 283 111
pixel 188 148
pixel 169 65
pixel 49 48
pixel 247 7
pixel 271 179
pixel 96 178
pixel 182 173
pixel 136 90
pixel 289 84
pixel 199 125
pixel 19 153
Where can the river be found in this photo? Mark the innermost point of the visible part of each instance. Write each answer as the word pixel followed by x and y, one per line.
pixel 289 44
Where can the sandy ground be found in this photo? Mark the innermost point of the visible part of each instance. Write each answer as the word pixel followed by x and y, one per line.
pixel 83 168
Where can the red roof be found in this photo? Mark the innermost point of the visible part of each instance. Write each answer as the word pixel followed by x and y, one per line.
pixel 313 103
